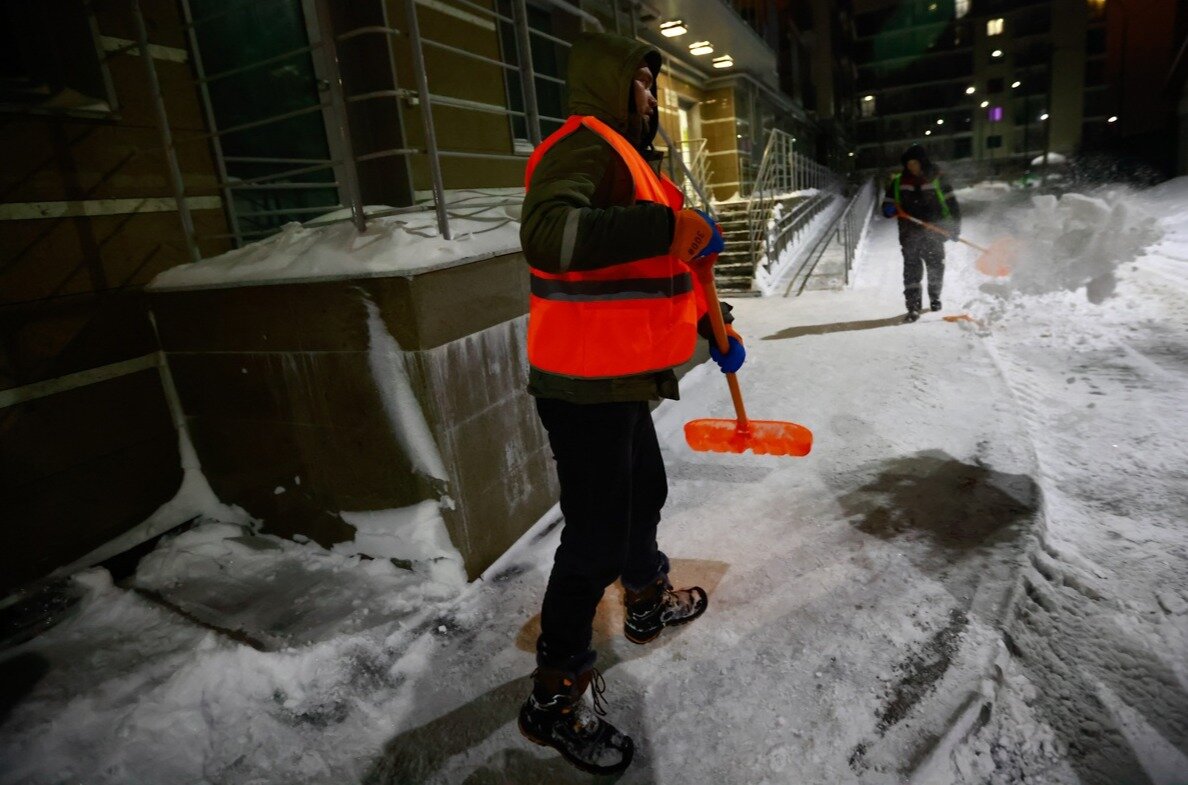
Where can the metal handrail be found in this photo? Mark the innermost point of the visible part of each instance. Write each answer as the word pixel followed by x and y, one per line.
pixel 690 178
pixel 782 172
pixel 845 232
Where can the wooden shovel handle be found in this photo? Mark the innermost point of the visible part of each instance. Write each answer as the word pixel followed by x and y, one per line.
pixel 938 230
pixel 705 274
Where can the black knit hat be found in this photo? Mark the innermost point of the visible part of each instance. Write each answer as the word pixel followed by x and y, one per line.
pixel 918 153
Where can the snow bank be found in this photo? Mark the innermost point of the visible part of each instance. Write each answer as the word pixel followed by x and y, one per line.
pixel 482 224
pixel 414 534
pixel 1074 241
pixel 985 191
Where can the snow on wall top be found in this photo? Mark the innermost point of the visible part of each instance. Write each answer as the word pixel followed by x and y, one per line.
pixel 482 224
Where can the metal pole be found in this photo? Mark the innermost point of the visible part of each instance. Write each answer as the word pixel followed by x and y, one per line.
pixel 418 54
pixel 527 72
pixel 207 110
pixel 175 176
pixel 338 110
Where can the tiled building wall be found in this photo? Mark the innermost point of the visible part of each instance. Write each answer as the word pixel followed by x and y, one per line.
pixel 87 219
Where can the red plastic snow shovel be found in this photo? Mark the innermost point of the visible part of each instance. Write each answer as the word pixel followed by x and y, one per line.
pixel 763 437
pixel 996 260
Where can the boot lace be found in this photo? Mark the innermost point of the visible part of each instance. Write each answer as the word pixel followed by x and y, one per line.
pixel 597 690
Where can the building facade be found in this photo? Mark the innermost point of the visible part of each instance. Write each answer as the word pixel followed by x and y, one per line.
pixel 987 85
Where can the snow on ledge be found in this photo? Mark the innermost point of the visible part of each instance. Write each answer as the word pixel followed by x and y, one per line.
pixel 483 224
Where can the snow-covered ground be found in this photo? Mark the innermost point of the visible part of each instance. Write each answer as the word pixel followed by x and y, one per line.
pixel 978 576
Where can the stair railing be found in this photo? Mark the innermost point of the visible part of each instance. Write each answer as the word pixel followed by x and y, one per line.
pixel 687 178
pixel 782 173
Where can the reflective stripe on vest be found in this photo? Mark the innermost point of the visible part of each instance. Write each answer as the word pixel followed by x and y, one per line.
pixel 936 186
pixel 623 319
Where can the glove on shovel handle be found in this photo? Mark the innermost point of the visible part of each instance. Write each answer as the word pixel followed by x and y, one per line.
pixel 705 273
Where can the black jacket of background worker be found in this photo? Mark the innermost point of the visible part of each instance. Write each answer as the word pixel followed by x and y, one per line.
pixel 923 192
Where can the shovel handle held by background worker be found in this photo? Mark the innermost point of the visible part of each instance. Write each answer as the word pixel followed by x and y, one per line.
pixel 940 231
pixel 997 260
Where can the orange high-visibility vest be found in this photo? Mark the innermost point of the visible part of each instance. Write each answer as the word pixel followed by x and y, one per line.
pixel 620 320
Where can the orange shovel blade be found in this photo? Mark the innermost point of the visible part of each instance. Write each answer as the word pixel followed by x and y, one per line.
pixel 998 260
pixel 762 437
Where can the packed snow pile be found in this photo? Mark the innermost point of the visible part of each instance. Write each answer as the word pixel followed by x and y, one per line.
pixel 984 191
pixel 482 223
pixel 1074 241
pixel 415 534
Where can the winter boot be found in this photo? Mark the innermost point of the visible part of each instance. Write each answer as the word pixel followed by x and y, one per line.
pixel 657 606
pixel 912 315
pixel 556 716
pixel 935 304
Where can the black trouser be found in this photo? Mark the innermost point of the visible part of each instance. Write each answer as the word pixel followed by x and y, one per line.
pixel 920 251
pixel 612 488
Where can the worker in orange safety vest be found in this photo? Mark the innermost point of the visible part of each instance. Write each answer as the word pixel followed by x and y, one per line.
pixel 614 306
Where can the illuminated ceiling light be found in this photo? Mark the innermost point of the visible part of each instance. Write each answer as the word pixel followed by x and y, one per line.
pixel 984 104
pixel 940 121
pixel 1016 84
pixel 1113 119
pixel 725 61
pixel 970 90
pixel 673 29
pixel 701 48
pixel 1044 116
pixel 868 98
pixel 851 155
pixel 928 133
pixel 996 53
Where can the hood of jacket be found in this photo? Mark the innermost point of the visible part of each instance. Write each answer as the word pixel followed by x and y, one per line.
pixel 920 154
pixel 601 67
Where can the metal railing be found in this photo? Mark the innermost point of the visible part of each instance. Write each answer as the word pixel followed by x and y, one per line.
pixel 842 235
pixel 692 158
pixel 782 173
pixel 260 194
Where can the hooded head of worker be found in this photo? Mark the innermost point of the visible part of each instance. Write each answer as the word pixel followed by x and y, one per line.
pixel 915 160
pixel 614 79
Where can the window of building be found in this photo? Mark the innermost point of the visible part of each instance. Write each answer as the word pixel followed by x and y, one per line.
pixel 994 85
pixel 960 8
pixel 962 147
pixel 548 60
pixel 994 114
pixel 994 26
pixel 50 59
pixel 993 142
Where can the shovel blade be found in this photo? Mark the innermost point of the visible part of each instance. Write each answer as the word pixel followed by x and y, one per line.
pixel 998 260
pixel 762 437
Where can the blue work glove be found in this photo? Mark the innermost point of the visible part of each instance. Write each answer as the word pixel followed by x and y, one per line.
pixel 889 211
pixel 734 357
pixel 716 243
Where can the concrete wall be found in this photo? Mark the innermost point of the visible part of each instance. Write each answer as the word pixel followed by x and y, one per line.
pixel 87 219
pixel 276 384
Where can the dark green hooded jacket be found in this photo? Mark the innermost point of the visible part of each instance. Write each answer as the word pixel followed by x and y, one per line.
pixel 580 212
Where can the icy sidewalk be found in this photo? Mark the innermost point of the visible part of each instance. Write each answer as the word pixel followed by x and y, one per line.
pixel 961 483
pixel 856 594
